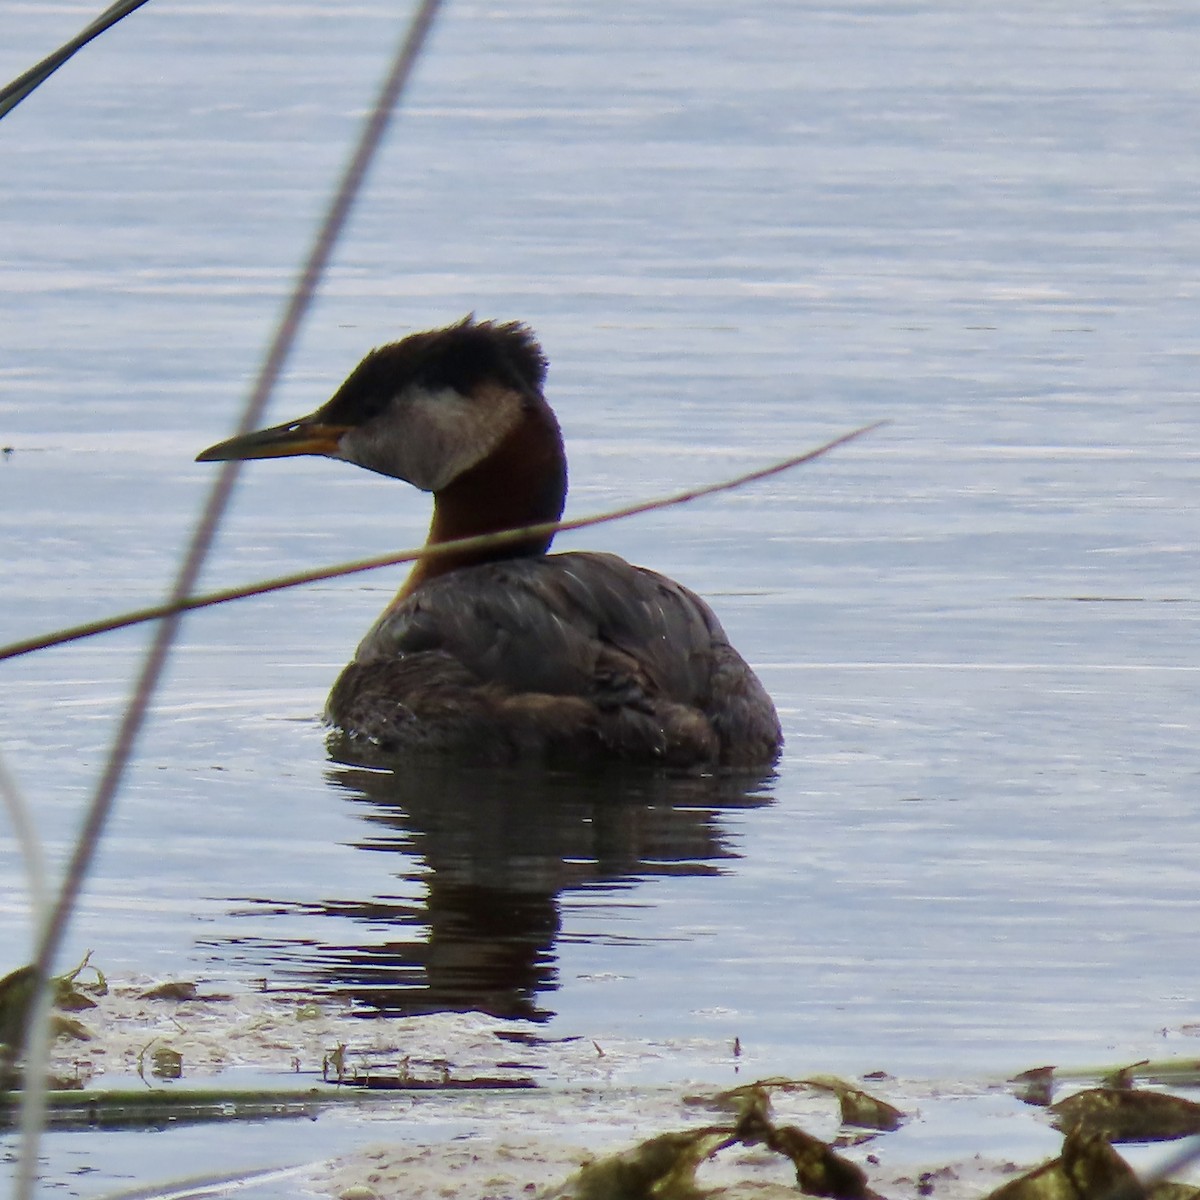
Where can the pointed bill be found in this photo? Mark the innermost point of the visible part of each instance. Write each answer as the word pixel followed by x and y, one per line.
pixel 306 436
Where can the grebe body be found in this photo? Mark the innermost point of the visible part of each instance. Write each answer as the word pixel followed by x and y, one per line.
pixel 511 653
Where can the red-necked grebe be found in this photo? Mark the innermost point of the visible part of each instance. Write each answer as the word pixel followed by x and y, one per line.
pixel 512 653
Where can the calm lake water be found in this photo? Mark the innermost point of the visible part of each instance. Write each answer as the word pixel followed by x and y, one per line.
pixel 739 229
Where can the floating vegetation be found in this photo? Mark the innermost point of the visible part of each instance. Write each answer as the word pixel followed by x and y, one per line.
pixel 1035 1086
pixel 165 1033
pixel 858 1107
pixel 1126 1114
pixel 70 994
pixel 165 1063
pixel 174 1052
pixel 129 1108
pixel 1088 1169
pixel 662 1168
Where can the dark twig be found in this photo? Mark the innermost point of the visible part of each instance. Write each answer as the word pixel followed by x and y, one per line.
pixel 15 92
pixel 1187 1154
pixel 172 608
pixel 135 711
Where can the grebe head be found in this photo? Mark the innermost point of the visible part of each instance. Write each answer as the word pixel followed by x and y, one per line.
pixel 427 409
pixel 458 412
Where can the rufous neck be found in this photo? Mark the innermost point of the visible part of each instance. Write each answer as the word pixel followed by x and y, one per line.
pixel 523 481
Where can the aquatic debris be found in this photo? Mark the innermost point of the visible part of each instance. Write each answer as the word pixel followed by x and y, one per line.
pixel 1127 1115
pixel 1035 1086
pixel 1123 1077
pixel 749 1102
pixel 178 989
pixel 1088 1169
pixel 476 1083
pixel 165 1063
pixel 334 1063
pixel 661 1168
pixel 1174 1072
pixel 859 1108
pixel 664 1167
pixel 68 1027
pixel 69 995
pixel 820 1171
pixel 122 1108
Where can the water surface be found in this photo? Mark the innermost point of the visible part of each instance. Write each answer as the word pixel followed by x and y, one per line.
pixel 738 231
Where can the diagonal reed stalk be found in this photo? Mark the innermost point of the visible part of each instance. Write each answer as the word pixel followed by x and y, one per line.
pixel 485 541
pixel 19 814
pixel 51 933
pixel 12 94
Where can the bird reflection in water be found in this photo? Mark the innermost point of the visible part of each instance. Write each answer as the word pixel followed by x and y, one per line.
pixel 496 851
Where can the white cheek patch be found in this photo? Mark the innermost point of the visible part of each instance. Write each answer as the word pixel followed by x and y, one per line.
pixel 430 438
